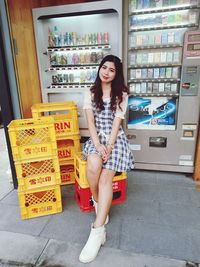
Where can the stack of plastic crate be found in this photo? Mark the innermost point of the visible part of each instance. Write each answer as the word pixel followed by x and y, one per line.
pixel 82 191
pixel 34 150
pixel 65 115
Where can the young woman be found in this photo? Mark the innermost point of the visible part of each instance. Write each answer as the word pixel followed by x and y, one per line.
pixel 107 150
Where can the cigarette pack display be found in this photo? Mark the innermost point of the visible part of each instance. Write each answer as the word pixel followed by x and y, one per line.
pixel 163 57
pixel 132 88
pixel 157 58
pixel 139 40
pixel 174 87
pixel 150 73
pixel 146 3
pixel 132 74
pixel 151 39
pixel 161 87
pixel 132 58
pixel 170 37
pixel 145 39
pixel 158 38
pixel 159 3
pixel 164 38
pixel 143 88
pixel 138 88
pixel 149 87
pixel 162 72
pixel 176 56
pixel 167 87
pixel 139 4
pixel 150 58
pixel 156 72
pixel 144 73
pixel 145 58
pixel 139 58
pixel 168 72
pixel 169 57
pixel 138 73
pixel 155 87
pixel 132 40
pixel 178 36
pixel 175 72
pixel 133 5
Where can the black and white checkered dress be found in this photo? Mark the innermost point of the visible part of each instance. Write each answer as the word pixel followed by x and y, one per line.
pixel 121 157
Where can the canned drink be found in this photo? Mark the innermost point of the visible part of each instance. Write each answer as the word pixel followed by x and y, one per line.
pixel 99 38
pixel 65 78
pixel 106 38
pixel 74 38
pixel 71 77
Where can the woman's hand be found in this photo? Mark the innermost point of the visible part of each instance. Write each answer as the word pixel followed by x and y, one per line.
pixel 102 150
pixel 109 151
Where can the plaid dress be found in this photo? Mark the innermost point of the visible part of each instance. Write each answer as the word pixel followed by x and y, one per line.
pixel 121 157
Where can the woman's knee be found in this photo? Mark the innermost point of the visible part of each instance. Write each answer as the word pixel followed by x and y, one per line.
pixel 106 178
pixel 94 165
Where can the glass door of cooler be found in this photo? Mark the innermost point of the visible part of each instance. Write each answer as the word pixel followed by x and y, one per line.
pixel 156 30
pixel 71 41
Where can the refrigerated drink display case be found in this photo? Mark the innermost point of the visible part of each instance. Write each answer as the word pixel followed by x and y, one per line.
pixel 71 40
pixel 158 113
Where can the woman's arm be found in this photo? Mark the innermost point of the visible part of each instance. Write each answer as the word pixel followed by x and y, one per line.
pixel 93 133
pixel 114 132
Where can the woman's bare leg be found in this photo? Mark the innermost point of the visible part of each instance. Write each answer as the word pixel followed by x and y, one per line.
pixel 105 195
pixel 94 168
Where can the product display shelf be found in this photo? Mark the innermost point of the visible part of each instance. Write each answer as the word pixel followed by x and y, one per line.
pixel 155 53
pixel 79 47
pixel 163 8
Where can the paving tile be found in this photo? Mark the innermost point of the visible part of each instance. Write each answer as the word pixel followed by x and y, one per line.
pixel 173 194
pixel 179 216
pixel 11 198
pixel 11 221
pixel 20 248
pixel 174 179
pixel 142 177
pixel 153 239
pixel 69 225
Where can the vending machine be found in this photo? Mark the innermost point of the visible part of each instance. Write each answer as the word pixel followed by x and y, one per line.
pixel 71 40
pixel 163 77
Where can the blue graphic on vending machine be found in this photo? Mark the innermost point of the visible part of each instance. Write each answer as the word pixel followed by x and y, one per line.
pixel 154 113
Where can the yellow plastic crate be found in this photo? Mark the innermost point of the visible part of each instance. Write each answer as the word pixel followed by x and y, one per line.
pixel 67 147
pixel 40 202
pixel 67 172
pixel 35 174
pixel 65 115
pixel 32 138
pixel 80 165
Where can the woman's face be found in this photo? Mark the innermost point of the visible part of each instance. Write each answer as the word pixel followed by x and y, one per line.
pixel 107 72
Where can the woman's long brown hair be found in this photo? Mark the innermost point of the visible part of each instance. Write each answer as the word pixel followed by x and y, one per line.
pixel 117 87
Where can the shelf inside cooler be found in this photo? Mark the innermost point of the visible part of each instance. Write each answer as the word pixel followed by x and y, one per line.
pixel 82 67
pixel 79 47
pixel 88 85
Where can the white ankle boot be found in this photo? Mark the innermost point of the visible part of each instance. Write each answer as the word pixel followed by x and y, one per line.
pixel 96 238
pixel 96 207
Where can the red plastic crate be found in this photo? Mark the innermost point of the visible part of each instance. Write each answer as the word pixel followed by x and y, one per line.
pixel 84 197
